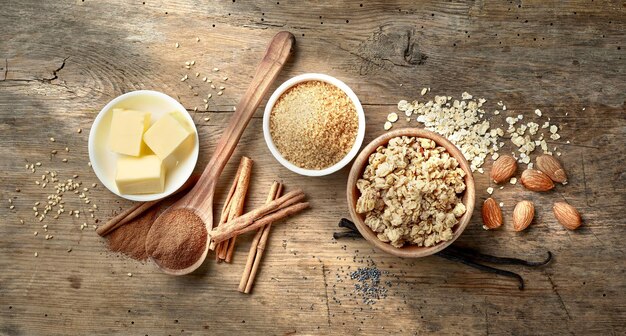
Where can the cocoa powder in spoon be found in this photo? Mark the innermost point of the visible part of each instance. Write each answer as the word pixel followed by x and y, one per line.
pixel 177 240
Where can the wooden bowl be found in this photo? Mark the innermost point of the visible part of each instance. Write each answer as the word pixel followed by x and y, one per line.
pixel 408 251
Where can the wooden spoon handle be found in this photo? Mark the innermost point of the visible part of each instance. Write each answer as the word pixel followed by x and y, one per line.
pixel 266 72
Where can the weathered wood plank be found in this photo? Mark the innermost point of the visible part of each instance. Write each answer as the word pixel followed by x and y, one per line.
pixel 61 61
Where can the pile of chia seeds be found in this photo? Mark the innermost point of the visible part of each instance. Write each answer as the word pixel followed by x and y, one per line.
pixel 368 284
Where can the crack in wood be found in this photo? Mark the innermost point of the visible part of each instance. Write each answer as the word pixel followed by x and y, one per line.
pixel 55 73
pixel 559 296
pixel 363 58
pixel 486 318
pixel 409 50
pixel 584 178
pixel 263 25
pixel 326 291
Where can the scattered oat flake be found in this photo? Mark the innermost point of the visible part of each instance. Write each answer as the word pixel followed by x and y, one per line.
pixel 130 274
pixel 490 190
pixel 538 112
pixel 424 90
pixel 513 180
pixel 207 119
pixel 177 45
pixel 392 117
pixel 501 204
pixel 387 125
pixel 553 129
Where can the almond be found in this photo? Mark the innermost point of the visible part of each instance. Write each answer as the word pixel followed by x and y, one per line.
pixel 503 168
pixel 567 215
pixel 492 215
pixel 535 180
pixel 523 215
pixel 552 167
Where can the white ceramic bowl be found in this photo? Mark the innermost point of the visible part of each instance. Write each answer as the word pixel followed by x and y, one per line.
pixel 103 160
pixel 305 78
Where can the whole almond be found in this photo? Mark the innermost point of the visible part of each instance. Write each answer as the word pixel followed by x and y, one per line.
pixel 492 214
pixel 567 215
pixel 503 168
pixel 523 215
pixel 551 167
pixel 535 180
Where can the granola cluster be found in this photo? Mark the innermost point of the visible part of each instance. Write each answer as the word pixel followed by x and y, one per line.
pixel 411 192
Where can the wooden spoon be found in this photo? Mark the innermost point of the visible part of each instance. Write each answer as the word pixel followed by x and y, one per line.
pixel 199 201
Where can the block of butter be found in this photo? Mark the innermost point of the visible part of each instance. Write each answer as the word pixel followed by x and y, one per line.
pixel 127 129
pixel 140 175
pixel 169 136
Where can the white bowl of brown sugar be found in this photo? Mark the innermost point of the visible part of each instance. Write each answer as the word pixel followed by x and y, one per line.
pixel 314 124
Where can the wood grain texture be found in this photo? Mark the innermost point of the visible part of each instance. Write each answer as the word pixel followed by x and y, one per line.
pixel 61 61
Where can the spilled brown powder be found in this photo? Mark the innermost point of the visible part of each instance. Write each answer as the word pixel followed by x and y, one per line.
pixel 130 238
pixel 177 239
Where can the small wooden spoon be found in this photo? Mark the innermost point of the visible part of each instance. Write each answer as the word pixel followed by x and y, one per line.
pixel 199 200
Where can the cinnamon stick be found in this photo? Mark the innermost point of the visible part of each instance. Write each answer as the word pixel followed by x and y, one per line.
pixel 275 191
pixel 138 209
pixel 218 236
pixel 257 260
pixel 226 209
pixel 234 206
pixel 246 219
pixel 237 209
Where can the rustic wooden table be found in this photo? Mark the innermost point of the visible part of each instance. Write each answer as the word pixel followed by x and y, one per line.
pixel 61 61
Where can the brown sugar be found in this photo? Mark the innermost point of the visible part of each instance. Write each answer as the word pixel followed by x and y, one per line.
pixel 130 238
pixel 314 125
pixel 177 239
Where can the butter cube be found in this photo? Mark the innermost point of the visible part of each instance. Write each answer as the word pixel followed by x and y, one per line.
pixel 140 175
pixel 127 129
pixel 168 135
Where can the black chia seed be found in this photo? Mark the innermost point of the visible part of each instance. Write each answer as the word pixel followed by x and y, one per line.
pixel 368 285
